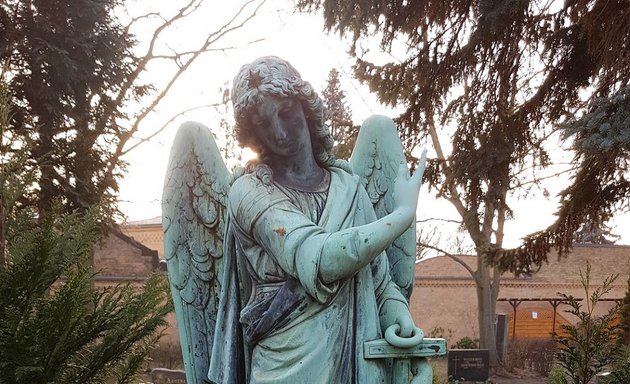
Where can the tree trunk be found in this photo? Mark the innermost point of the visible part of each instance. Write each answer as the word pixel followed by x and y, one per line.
pixel 487 293
pixel 3 238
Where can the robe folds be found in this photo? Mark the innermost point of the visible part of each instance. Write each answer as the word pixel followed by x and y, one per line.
pixel 278 321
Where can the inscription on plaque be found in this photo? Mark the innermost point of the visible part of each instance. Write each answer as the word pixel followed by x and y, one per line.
pixel 468 364
pixel 168 376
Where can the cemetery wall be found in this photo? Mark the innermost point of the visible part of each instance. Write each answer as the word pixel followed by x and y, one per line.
pixel 445 300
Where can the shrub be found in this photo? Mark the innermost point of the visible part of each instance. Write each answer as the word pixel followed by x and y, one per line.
pixel 620 372
pixel 167 355
pixel 535 356
pixel 591 343
pixel 63 330
pixel 556 375
pixel 467 343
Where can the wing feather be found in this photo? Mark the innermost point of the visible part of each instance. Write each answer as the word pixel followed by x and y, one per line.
pixel 376 157
pixel 193 208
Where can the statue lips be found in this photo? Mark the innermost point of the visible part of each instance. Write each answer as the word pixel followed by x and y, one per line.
pixel 287 145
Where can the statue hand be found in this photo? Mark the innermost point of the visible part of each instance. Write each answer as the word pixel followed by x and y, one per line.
pixel 398 325
pixel 395 313
pixel 406 189
pixel 392 336
pixel 406 325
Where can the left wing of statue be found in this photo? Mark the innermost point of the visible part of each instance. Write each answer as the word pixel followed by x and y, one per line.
pixel 376 158
pixel 193 209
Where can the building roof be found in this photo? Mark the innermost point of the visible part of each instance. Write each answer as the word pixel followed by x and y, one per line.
pixel 146 251
pixel 146 222
pixel 605 260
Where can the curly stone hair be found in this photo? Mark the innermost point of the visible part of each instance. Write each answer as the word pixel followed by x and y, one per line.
pixel 273 76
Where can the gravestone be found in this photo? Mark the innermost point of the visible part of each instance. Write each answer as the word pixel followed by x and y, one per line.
pixel 503 321
pixel 468 364
pixel 167 376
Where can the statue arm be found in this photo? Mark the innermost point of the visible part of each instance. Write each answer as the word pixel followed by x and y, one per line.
pixel 371 239
pixel 347 251
pixel 318 259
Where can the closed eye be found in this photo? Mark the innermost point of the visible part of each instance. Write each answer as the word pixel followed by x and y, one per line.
pixel 286 106
pixel 259 123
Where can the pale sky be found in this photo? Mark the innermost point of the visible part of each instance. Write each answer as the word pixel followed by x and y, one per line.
pixel 297 38
pixel 300 39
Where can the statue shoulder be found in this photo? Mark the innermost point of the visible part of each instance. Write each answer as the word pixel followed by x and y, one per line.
pixel 250 196
pixel 248 185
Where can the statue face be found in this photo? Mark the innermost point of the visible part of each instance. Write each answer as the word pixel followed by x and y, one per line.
pixel 280 125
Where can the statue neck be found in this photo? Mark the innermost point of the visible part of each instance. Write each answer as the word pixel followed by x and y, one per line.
pixel 300 172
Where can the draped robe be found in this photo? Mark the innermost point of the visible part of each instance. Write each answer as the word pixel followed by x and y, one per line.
pixel 294 327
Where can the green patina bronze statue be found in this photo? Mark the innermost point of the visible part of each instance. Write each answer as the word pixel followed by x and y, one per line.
pixel 283 271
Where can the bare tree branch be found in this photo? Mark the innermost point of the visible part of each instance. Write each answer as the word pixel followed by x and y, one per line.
pixel 176 56
pixel 459 222
pixel 183 62
pixel 452 256
pixel 141 17
pixel 163 127
pixel 212 38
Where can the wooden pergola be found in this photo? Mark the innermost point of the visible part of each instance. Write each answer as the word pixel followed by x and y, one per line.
pixel 555 303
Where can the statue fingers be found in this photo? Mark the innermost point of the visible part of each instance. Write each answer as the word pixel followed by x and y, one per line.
pixel 422 164
pixel 403 173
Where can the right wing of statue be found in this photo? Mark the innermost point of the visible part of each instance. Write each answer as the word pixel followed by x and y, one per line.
pixel 377 155
pixel 193 209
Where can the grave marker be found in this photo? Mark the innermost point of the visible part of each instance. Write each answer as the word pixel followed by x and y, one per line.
pixel 468 364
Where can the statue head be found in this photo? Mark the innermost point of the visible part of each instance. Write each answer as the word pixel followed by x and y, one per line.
pixel 273 76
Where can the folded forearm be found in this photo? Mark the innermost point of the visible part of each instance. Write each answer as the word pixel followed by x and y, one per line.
pixel 347 251
pixel 390 311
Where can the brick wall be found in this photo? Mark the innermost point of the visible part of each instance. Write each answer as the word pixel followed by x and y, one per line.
pixel 445 297
pixel 121 256
pixel 150 235
pixel 121 259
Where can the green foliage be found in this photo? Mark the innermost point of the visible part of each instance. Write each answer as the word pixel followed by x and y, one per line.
pixel 338 117
pixel 556 376
pixel 605 127
pixel 620 370
pixel 55 327
pixel 624 314
pixel 15 174
pixel 467 343
pixel 494 77
pixel 591 344
pixel 600 187
pixel 68 69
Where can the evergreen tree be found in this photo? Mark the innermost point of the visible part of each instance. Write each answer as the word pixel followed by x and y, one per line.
pixel 66 63
pixel 591 345
pixel 600 187
pixel 594 232
pixel 73 71
pixel 338 117
pixel 493 77
pixel 624 313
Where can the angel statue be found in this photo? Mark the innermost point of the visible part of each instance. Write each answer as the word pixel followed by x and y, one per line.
pixel 282 271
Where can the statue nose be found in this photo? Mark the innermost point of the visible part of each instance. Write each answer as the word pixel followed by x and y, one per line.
pixel 278 129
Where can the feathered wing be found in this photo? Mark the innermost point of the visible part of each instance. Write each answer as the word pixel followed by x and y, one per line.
pixel 376 158
pixel 193 207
